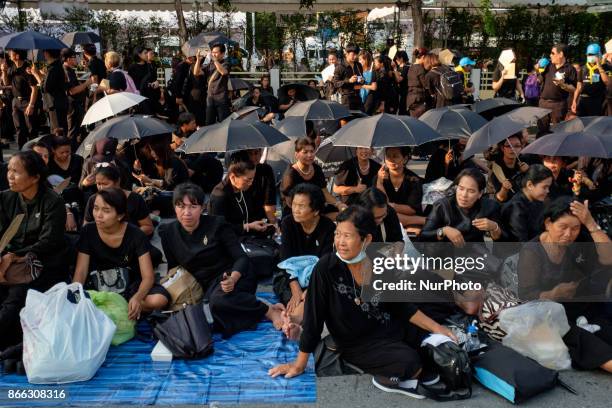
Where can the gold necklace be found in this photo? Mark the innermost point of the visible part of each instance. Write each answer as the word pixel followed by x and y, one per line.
pixel 304 173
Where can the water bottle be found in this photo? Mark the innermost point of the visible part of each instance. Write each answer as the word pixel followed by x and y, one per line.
pixel 472 343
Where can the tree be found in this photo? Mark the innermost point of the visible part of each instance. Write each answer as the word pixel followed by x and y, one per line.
pixel 298 29
pixel 77 19
pixel 268 37
pixel 108 26
pixel 180 17
pixel 416 6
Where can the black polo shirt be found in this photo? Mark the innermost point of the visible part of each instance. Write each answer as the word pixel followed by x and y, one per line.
pixel 21 81
pixel 97 67
pixel 549 89
pixel 592 84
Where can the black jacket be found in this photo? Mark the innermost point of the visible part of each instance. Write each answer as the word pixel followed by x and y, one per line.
pixel 521 218
pixel 342 75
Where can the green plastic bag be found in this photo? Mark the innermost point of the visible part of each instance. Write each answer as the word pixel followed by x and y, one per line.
pixel 115 307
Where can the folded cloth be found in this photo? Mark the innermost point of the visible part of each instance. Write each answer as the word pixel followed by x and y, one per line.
pixel 300 268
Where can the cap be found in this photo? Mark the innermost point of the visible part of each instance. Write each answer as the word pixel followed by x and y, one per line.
pixel 543 62
pixel 593 49
pixel 465 61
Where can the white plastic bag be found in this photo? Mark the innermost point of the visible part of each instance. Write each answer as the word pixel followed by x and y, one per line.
pixel 535 329
pixel 63 341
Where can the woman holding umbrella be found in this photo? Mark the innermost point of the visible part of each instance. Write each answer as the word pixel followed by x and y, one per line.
pixel 355 175
pixel 505 169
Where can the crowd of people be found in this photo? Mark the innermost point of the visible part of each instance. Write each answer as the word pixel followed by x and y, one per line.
pixel 86 216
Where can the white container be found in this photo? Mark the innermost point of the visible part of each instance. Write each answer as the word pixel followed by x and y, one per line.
pixel 161 353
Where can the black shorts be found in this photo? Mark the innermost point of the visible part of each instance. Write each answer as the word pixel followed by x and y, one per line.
pixel 157 289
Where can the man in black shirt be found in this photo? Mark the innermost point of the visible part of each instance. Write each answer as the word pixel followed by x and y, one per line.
pixel 54 85
pixel 348 79
pixel 25 93
pixel 591 89
pixel 95 65
pixel 77 93
pixel 217 72
pixel 558 81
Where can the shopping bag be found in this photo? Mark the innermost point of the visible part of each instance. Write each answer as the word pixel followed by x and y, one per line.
pixel 65 336
pixel 116 307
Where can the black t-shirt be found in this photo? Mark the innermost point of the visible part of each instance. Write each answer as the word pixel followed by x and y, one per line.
pixel 296 242
pixel 73 81
pixel 416 79
pixel 263 188
pixel 96 67
pixel 102 257
pixel 217 83
pixel 21 81
pixel 136 209
pixel 236 208
pixel 390 230
pixel 292 178
pixel 403 85
pixel 410 192
pixel 117 81
pixel 592 84
pixel 508 88
pixel 55 84
pixel 549 89
pixel 349 175
pixel 74 170
pixel 142 75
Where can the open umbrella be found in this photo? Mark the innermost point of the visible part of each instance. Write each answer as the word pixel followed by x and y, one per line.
pixel 81 37
pixel 111 105
pixel 236 84
pixel 319 109
pixel 302 92
pixel 490 108
pixel 385 130
pixel 292 126
pixel 495 131
pixel 231 136
pixel 591 124
pixel 528 114
pixel 128 127
pixel 30 40
pixel 248 114
pixel 572 144
pixel 203 40
pixel 453 123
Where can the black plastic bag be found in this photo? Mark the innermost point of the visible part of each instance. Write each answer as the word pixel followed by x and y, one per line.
pixel 186 333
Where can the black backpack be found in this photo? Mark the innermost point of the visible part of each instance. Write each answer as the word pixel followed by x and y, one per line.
pixel 187 333
pixel 451 85
pixel 453 364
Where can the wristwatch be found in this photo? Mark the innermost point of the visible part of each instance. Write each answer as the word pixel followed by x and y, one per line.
pixel 440 232
pixel 596 229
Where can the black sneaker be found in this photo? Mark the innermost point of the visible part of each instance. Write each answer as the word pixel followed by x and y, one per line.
pixel 392 385
pixel 429 378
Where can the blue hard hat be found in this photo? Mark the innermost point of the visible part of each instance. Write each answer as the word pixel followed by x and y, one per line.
pixel 543 62
pixel 593 49
pixel 465 61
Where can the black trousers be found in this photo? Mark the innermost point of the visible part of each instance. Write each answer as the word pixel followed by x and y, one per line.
pixel 589 350
pixel 559 110
pixel 58 116
pixel 12 300
pixel 590 106
pixel 26 126
pixel 217 109
pixel 76 112
pixel 237 310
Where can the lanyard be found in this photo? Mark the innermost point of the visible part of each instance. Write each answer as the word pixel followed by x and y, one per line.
pixel 465 75
pixel 591 69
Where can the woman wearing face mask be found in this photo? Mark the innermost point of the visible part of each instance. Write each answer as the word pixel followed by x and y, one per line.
pixel 402 186
pixel 553 267
pixel 378 337
pixel 209 249
pixel 305 170
pixel 355 175
pixel 465 217
pixel 112 243
pixel 521 216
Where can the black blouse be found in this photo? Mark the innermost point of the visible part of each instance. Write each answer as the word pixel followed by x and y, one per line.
pixel 521 218
pixel 410 192
pixel 263 189
pixel 236 208
pixel 209 251
pixel 512 174
pixel 74 168
pixel 349 175
pixel 296 242
pixel 390 230
pixel 330 300
pixel 292 178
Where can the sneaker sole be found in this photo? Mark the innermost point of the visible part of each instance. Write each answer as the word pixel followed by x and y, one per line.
pixel 432 381
pixel 397 391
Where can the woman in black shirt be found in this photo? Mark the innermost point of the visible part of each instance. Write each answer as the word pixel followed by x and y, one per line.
pixel 371 334
pixel 522 215
pixel 416 85
pixel 506 88
pixel 355 175
pixel 119 252
pixel 506 158
pixel 561 185
pixel 403 188
pixel 63 162
pixel 209 249
pixel 144 77
pixel 432 84
pixel 388 226
pixel 401 74
pixel 194 89
pixel 305 170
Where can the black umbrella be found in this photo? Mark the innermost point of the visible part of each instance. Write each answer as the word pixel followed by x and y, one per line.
pixel 236 84
pixel 528 114
pixel 231 136
pixel 328 153
pixel 30 40
pixel 591 124
pixel 204 41
pixel 385 130
pixel 302 92
pixel 494 132
pixel 453 123
pixel 319 109
pixel 293 127
pixel 572 144
pixel 128 127
pixel 490 108
pixel 248 114
pixel 81 37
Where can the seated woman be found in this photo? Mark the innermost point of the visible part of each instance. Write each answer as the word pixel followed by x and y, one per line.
pixel 41 234
pixel 506 159
pixel 388 226
pixel 355 175
pixel 63 164
pixel 552 267
pixel 403 188
pixel 112 243
pixel 232 200
pixel 447 163
pixel 380 338
pixel 305 170
pixel 209 249
pixel 522 215
pixel 43 150
pixel 103 151
pixel 561 185
pixel 265 110
pixel 465 217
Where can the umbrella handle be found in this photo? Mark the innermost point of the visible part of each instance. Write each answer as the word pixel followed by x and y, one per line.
pixel 515 153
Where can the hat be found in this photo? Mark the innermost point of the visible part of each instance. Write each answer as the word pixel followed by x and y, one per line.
pixel 543 62
pixel 465 61
pixel 593 49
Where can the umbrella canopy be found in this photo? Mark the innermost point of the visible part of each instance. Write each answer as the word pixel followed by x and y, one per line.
pixel 236 84
pixel 203 40
pixel 248 114
pixel 593 124
pixel 128 127
pixel 453 123
pixel 328 153
pixel 572 144
pixel 111 105
pixel 302 93
pixel 293 127
pixel 319 109
pixel 30 40
pixel 490 108
pixel 528 114
pixel 81 37
pixel 385 130
pixel 231 136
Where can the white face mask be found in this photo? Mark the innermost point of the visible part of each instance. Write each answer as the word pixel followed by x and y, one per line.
pixel 358 258
pixel 591 59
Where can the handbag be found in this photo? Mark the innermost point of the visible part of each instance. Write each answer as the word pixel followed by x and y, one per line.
pixel 22 270
pixel 329 362
pixel 114 280
pixel 263 253
pixel 186 333
pixel 184 289
pixel 497 299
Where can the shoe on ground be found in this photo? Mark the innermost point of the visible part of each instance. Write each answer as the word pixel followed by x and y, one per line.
pixel 392 385
pixel 429 378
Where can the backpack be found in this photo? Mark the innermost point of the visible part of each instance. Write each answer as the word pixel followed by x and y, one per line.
pixel 453 364
pixel 131 87
pixel 532 87
pixel 451 85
